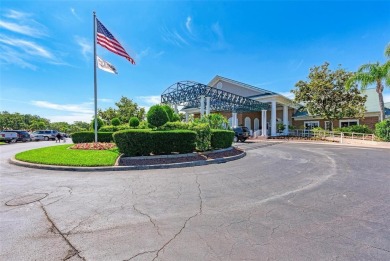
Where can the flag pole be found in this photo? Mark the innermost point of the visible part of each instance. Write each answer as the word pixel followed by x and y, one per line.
pixel 94 73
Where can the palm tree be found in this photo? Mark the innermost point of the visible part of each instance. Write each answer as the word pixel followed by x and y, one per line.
pixel 387 51
pixel 373 73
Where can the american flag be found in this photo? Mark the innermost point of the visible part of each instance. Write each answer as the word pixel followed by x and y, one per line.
pixel 107 40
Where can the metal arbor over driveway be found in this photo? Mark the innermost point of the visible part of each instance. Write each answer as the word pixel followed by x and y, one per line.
pixel 192 95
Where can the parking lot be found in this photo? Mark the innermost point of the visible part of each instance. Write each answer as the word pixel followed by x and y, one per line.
pixel 283 201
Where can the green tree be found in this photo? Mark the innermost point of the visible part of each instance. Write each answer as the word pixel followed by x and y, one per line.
pixel 60 126
pixel 108 114
pixel 387 51
pixel 38 125
pixel 127 109
pixel 324 94
pixel 372 73
pixel 157 116
pixel 115 122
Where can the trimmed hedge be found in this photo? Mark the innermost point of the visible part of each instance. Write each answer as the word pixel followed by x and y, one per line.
pixel 89 136
pixel 138 142
pixel 221 139
pixel 111 128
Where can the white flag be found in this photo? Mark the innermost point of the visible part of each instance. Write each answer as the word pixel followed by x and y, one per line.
pixel 105 66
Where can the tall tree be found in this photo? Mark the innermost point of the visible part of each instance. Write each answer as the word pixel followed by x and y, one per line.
pixel 373 73
pixel 387 51
pixel 324 94
pixel 127 109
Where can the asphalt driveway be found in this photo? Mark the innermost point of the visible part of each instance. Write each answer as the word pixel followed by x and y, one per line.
pixel 283 201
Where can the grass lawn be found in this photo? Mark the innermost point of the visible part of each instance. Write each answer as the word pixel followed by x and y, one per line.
pixel 61 155
pixel 2 143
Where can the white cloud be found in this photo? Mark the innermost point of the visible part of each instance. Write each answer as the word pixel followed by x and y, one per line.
pixel 289 95
pixel 220 42
pixel 143 54
pixel 16 14
pixel 150 100
pixel 27 46
pixel 71 118
pixel 10 56
pixel 86 47
pixel 83 108
pixel 22 29
pixel 105 100
pixel 173 37
pixel 23 24
pixel 188 24
pixel 73 11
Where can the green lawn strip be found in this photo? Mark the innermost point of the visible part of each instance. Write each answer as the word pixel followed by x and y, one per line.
pixel 2 143
pixel 61 155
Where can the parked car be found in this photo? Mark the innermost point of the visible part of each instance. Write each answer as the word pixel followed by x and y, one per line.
pixel 36 137
pixel 47 134
pixel 241 133
pixel 21 135
pixel 8 136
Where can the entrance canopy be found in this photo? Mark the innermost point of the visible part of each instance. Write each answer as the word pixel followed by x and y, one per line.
pixel 188 94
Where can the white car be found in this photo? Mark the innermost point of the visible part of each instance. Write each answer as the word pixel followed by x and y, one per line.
pixel 36 136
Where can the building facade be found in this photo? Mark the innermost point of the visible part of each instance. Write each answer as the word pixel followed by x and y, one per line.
pixel 282 110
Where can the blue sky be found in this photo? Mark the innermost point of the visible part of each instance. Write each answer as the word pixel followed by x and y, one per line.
pixel 47 48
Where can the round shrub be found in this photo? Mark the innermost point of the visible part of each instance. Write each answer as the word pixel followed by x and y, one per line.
pixel 134 122
pixel 100 123
pixel 221 139
pixel 382 130
pixel 169 111
pixel 115 122
pixel 157 116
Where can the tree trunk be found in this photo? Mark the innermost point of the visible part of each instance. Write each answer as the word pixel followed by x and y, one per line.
pixel 379 90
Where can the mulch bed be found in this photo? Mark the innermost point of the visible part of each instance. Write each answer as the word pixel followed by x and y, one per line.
pixel 128 161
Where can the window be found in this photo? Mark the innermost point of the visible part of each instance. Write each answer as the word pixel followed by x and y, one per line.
pixel 328 125
pixel 311 124
pixel 348 123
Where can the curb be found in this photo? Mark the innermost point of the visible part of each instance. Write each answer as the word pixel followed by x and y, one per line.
pixel 124 168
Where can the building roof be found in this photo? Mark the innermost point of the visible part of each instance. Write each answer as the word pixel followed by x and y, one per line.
pixel 261 92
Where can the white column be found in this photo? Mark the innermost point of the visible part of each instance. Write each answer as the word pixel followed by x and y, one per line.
pixel 264 123
pixel 285 119
pixel 208 105
pixel 176 110
pixel 186 116
pixel 201 105
pixel 273 118
pixel 234 119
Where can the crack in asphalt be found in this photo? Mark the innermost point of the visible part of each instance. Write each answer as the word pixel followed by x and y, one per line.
pixel 73 251
pixel 150 219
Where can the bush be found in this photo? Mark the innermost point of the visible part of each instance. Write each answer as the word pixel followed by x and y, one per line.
pixel 144 125
pixel 134 122
pixel 203 136
pixel 382 130
pixel 89 136
pixel 175 126
pixel 221 139
pixel 111 128
pixel 157 116
pixel 215 120
pixel 175 117
pixel 115 122
pixel 355 128
pixel 144 142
